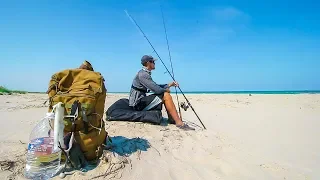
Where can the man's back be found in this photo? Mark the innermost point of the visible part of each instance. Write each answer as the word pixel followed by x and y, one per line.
pixel 135 94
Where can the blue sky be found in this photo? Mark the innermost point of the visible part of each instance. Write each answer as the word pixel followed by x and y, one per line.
pixel 215 45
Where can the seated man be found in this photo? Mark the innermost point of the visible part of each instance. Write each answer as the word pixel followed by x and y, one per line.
pixel 140 86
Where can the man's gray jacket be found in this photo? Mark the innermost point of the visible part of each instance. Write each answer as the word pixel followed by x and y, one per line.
pixel 143 82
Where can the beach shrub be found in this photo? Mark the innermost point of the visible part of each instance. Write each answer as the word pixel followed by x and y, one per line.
pixel 4 90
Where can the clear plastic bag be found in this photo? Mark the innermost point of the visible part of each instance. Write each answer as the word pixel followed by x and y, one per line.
pixel 42 162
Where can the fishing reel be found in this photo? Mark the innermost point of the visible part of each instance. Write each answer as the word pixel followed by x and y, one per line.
pixel 184 106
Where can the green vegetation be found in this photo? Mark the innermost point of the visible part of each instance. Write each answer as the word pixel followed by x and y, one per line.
pixel 4 90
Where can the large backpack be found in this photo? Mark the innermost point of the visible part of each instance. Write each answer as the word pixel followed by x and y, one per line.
pixel 83 93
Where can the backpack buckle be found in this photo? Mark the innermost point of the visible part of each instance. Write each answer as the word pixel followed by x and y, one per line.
pixel 73 114
pixel 85 121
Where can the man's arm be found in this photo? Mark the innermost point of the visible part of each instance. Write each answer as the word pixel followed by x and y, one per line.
pixel 146 80
pixel 165 86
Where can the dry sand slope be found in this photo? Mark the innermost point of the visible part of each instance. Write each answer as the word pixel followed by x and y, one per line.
pixel 247 137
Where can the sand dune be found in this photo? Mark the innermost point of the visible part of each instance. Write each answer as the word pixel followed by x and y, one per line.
pixel 247 137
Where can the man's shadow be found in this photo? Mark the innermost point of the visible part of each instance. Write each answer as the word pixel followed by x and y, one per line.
pixel 126 146
pixel 165 121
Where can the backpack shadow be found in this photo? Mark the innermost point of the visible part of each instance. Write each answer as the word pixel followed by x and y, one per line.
pixel 126 146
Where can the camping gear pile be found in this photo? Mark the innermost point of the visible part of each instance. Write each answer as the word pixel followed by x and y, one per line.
pixel 81 95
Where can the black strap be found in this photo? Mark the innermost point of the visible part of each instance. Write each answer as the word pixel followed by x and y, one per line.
pixel 85 121
pixel 138 89
pixel 74 108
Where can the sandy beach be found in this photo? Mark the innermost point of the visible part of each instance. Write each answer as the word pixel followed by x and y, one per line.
pixel 248 137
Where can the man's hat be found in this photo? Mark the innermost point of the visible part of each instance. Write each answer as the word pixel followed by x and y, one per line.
pixel 147 58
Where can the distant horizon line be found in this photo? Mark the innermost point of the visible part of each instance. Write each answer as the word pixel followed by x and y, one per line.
pixel 243 91
pixel 226 91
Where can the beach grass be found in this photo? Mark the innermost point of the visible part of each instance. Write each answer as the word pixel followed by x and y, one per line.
pixel 4 90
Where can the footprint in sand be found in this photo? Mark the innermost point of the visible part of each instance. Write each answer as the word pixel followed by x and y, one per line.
pixel 224 168
pixel 280 171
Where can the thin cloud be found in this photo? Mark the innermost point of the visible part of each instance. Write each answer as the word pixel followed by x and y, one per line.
pixel 227 21
pixel 216 34
pixel 214 26
pixel 230 14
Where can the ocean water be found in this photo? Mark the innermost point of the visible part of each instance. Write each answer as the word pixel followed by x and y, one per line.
pixel 252 92
pixel 241 92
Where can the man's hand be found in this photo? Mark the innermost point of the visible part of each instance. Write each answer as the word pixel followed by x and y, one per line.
pixel 174 83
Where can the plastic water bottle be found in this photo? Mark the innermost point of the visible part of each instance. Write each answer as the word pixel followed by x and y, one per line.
pixel 42 161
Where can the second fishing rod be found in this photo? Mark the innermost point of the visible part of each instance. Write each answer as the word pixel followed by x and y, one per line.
pixel 165 31
pixel 165 67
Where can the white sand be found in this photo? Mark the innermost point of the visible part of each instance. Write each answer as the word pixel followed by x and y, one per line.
pixel 247 137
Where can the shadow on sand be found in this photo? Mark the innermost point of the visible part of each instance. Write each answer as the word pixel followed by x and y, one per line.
pixel 120 145
pixel 126 146
pixel 166 121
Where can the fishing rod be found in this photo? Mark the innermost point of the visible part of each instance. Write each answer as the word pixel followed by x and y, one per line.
pixel 165 30
pixel 165 67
